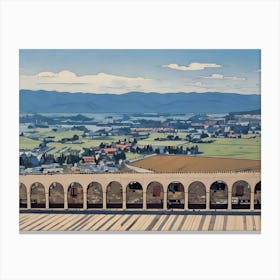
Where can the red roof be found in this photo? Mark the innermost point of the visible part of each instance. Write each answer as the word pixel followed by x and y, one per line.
pixel 110 150
pixel 123 146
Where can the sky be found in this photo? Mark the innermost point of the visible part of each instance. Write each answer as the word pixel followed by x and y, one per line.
pixel 122 71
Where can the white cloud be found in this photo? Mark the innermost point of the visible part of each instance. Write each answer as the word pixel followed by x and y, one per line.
pixel 97 83
pixel 199 84
pixel 67 81
pixel 222 77
pixel 195 66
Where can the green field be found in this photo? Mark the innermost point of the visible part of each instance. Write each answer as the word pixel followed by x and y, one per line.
pixel 150 140
pixel 244 148
pixel 26 141
pixel 132 156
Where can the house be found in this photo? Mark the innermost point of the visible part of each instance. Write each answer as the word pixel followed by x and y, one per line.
pixel 109 150
pixel 88 159
pixel 123 147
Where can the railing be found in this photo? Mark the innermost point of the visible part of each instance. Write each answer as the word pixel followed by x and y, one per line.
pixel 242 171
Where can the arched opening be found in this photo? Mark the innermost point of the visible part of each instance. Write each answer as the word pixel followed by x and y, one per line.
pixel 219 195
pixel 241 195
pixel 94 195
pixel 114 197
pixel 175 196
pixel 56 195
pixel 155 196
pixel 257 196
pixel 197 195
pixel 134 195
pixel 22 196
pixel 37 196
pixel 75 195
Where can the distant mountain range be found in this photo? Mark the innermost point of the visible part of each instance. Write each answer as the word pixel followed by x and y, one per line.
pixel 136 102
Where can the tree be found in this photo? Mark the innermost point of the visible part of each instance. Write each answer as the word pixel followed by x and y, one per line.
pixel 150 149
pixel 75 137
pixel 102 145
pixel 61 159
pixel 122 155
pixel 181 150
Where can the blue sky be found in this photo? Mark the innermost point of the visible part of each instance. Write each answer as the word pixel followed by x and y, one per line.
pixel 121 71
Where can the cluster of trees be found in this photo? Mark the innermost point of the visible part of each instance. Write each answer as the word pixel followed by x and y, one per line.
pixel 168 137
pixel 145 150
pixel 167 149
pixel 74 138
pixel 119 155
pixel 180 150
pixel 80 128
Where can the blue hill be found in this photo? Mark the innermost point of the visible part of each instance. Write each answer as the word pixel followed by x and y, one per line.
pixel 136 102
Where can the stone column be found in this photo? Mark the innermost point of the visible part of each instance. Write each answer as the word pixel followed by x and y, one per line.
pixel 186 200
pixel 47 200
pixel 229 200
pixel 144 200
pixel 84 199
pixel 207 200
pixel 28 200
pixel 124 200
pixel 65 200
pixel 164 200
pixel 104 200
pixel 252 201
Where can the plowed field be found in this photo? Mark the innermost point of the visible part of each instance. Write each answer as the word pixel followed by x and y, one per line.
pixel 183 163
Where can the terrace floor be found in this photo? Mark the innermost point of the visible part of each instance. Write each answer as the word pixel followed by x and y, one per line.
pixel 133 222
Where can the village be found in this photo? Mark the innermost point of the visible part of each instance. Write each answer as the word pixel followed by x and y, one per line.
pixel 115 142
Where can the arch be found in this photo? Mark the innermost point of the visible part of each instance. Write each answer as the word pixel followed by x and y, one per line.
pixel 257 196
pixel 56 195
pixel 219 195
pixel 197 195
pixel 22 196
pixel 114 195
pixel 175 195
pixel 94 195
pixel 75 197
pixel 241 195
pixel 134 195
pixel 37 195
pixel 155 195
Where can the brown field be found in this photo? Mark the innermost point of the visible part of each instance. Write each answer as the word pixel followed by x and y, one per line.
pixel 182 163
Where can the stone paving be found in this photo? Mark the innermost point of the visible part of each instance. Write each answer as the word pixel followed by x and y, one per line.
pixel 33 222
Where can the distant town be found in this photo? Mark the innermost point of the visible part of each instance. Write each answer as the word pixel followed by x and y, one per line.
pixel 98 143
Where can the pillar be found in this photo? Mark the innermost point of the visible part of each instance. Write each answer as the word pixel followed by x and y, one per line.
pixel 123 200
pixel 207 200
pixel 65 200
pixel 104 196
pixel 186 200
pixel 164 200
pixel 252 200
pixel 144 200
pixel 28 200
pixel 47 200
pixel 84 199
pixel 229 200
